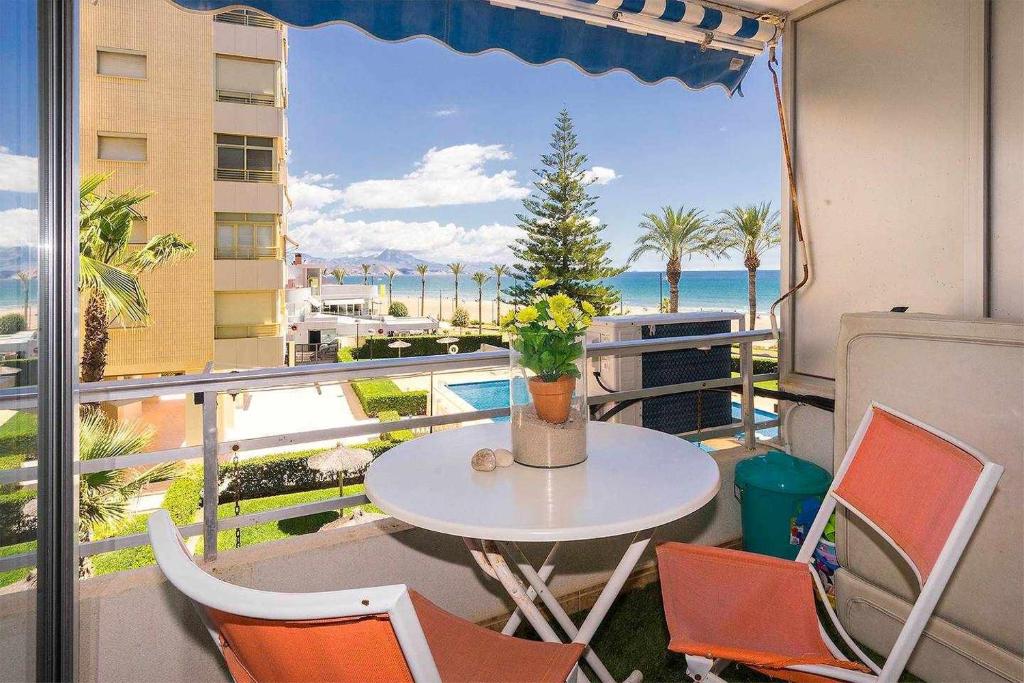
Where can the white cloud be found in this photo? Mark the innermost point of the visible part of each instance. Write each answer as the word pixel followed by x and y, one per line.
pixel 19 227
pixel 17 172
pixel 310 194
pixel 430 240
pixel 443 177
pixel 445 112
pixel 600 175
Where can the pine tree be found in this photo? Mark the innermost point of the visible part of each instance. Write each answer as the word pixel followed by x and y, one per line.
pixel 562 239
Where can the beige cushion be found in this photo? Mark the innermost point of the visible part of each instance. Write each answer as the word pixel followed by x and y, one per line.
pixel 967 379
pixel 945 652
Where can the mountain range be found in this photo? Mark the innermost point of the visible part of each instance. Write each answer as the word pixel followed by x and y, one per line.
pixel 401 261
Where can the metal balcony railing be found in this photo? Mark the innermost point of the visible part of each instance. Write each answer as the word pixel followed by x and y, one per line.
pixel 206 387
pixel 241 97
pixel 245 331
pixel 244 253
pixel 246 18
pixel 247 175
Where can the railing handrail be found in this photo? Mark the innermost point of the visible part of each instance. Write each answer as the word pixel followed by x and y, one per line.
pixel 270 378
pixel 211 384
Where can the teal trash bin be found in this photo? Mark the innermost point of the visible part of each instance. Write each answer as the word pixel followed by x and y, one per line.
pixel 776 493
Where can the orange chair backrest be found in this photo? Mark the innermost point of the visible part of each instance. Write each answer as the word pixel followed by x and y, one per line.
pixel 910 483
pixel 344 649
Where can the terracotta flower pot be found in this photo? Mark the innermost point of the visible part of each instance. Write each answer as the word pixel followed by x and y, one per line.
pixel 552 399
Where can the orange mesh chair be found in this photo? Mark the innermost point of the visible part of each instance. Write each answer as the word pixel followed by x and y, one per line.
pixel 381 634
pixel 921 490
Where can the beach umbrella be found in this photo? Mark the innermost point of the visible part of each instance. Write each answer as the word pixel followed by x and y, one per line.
pixel 447 340
pixel 399 345
pixel 340 460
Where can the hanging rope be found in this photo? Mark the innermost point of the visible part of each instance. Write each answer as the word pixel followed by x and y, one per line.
pixel 793 196
pixel 237 485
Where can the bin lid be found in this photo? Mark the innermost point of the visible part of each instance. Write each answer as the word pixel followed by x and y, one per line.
pixel 778 471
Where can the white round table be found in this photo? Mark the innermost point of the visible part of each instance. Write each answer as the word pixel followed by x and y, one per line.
pixel 633 480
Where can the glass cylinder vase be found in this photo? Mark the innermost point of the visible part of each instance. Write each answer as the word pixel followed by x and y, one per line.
pixel 548 415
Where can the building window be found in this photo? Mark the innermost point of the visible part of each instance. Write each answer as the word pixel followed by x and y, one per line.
pixel 120 63
pixel 140 232
pixel 247 81
pixel 245 157
pixel 246 236
pixel 121 147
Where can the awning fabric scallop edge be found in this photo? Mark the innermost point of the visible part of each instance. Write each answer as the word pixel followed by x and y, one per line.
pixel 653 40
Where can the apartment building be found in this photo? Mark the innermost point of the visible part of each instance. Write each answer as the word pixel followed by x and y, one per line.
pixel 192 107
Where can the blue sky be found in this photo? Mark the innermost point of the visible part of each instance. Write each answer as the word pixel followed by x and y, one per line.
pixel 364 116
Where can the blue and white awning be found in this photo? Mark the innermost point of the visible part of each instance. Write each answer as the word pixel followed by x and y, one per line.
pixel 652 39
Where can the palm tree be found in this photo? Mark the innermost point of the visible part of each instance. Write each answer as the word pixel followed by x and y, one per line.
pixel 456 269
pixel 673 234
pixel 109 272
pixel 422 269
pixel 366 272
pixel 480 279
pixel 499 270
pixel 751 230
pixel 25 277
pixel 391 273
pixel 339 275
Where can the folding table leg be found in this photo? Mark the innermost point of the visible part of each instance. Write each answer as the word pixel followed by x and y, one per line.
pixel 545 573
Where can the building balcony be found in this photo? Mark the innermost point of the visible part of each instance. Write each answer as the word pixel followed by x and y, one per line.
pixel 245 331
pixel 253 36
pixel 234 195
pixel 235 272
pixel 248 346
pixel 257 116
pixel 247 175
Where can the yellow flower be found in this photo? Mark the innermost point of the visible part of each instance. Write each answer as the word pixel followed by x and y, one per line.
pixel 561 320
pixel 507 319
pixel 560 303
pixel 543 282
pixel 527 315
pixel 588 308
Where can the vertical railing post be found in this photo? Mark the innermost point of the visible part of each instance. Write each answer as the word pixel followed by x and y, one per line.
pixel 747 401
pixel 211 470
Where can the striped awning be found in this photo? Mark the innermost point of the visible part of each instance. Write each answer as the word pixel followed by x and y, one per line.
pixel 654 40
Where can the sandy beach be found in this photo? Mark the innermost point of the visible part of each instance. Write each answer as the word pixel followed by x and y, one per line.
pixel 442 307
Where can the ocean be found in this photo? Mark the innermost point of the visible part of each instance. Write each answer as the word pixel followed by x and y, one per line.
pixel 711 289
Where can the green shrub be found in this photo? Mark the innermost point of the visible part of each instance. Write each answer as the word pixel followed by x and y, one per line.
pixel 14 525
pixel 377 446
pixel 460 318
pixel 376 395
pixel 423 345
pixel 184 496
pixel 345 354
pixel 398 435
pixel 274 474
pixel 12 322
pixel 398 309
pixel 761 365
pixel 18 437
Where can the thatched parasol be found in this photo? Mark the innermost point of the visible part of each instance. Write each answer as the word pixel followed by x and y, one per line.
pixel 341 460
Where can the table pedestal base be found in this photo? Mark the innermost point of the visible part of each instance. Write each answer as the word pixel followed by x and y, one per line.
pixel 496 559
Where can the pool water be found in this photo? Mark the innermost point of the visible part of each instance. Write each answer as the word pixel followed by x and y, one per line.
pixel 494 394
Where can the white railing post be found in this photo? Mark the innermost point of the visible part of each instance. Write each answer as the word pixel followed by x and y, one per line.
pixel 747 401
pixel 211 470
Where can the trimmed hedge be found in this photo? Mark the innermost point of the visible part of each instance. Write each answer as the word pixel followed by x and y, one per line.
pixel 15 575
pixel 377 395
pixel 761 365
pixel 398 435
pixel 12 322
pixel 18 439
pixel 345 354
pixel 398 309
pixel 423 345
pixel 271 475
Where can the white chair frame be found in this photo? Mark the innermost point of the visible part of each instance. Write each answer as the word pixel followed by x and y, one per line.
pixel 704 669
pixel 178 566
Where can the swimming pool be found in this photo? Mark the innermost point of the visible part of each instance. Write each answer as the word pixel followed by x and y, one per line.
pixel 494 394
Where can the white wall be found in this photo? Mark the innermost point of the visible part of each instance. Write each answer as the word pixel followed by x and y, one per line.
pixel 887 104
pixel 1007 160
